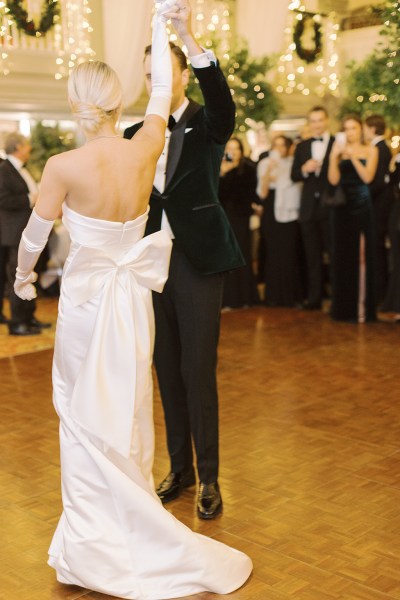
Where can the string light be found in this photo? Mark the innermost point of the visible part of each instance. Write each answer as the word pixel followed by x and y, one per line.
pixel 69 38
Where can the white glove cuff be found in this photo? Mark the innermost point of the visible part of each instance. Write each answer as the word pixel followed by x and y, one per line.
pixel 36 233
pixel 159 105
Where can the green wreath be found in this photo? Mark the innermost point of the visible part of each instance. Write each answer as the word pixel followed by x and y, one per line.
pixel 309 56
pixel 50 11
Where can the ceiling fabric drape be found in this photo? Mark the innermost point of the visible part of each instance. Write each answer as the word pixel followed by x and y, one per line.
pixel 262 24
pixel 126 33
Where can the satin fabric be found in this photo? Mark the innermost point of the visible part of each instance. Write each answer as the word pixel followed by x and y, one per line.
pixel 114 535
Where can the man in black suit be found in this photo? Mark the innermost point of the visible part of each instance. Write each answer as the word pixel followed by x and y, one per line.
pixel 374 132
pixel 3 276
pixel 185 202
pixel 18 194
pixel 310 166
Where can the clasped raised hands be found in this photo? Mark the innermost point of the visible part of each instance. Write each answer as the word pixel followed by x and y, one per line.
pixel 179 11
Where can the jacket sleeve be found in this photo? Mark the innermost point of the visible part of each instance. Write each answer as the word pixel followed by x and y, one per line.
pixel 219 106
pixel 297 173
pixel 10 199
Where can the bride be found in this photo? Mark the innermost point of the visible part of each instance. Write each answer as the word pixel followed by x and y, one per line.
pixel 114 536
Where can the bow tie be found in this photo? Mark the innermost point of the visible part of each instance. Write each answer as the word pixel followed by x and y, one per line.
pixel 171 122
pixel 317 139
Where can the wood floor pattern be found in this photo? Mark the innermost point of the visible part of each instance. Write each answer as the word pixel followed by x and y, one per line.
pixel 310 460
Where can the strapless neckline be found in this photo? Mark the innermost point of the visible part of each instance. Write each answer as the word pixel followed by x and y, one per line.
pixel 109 223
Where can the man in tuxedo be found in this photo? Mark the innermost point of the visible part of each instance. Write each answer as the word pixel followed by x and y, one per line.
pixel 310 166
pixel 18 192
pixel 185 202
pixel 3 277
pixel 374 132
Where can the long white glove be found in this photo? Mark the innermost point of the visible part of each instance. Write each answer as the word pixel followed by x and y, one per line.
pixel 161 66
pixel 33 240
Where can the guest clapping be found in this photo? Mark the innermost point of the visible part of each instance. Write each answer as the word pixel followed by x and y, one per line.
pixel 353 165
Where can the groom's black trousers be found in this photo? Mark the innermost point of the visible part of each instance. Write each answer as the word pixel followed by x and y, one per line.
pixel 187 315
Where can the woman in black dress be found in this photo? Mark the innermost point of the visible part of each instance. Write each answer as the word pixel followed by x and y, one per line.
pixel 353 166
pixel 237 193
pixel 392 300
pixel 280 226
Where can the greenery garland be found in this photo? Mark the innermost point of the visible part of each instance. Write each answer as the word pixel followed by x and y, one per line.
pixel 50 11
pixel 309 56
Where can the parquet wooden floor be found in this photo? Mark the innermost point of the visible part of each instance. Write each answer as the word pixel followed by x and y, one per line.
pixel 310 460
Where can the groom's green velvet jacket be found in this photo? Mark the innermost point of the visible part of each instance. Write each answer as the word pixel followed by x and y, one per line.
pixel 190 198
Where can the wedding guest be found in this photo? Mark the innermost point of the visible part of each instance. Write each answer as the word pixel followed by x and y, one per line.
pixel 3 280
pixel 392 301
pixel 237 194
pixel 374 133
pixel 353 166
pixel 281 196
pixel 18 193
pixel 184 202
pixel 310 166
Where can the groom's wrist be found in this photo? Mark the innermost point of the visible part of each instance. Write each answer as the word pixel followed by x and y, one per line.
pixel 192 46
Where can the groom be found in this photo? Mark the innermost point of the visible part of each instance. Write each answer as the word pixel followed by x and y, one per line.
pixel 185 202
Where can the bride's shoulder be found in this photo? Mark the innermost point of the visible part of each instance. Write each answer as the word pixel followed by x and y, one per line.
pixel 65 158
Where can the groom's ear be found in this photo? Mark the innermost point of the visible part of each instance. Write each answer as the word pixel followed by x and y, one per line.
pixel 185 77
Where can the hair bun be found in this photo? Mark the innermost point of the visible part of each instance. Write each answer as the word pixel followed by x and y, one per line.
pixel 89 112
pixel 95 94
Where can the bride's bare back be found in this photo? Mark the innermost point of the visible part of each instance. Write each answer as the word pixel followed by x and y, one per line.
pixel 107 178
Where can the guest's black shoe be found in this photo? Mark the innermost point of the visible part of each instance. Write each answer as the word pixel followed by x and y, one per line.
pixel 209 501
pixel 23 329
pixel 174 483
pixel 38 324
pixel 312 306
pixel 3 320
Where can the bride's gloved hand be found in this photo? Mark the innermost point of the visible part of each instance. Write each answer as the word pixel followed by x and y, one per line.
pixel 33 240
pixel 161 66
pixel 166 6
pixel 23 286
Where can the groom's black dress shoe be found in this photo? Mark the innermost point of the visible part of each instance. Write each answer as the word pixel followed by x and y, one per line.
pixel 23 329
pixel 312 306
pixel 209 501
pixel 172 486
pixel 38 324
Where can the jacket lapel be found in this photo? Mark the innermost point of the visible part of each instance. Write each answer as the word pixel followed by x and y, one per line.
pixel 328 150
pixel 177 139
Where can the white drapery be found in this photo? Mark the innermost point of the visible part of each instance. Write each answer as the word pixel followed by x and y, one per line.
pixel 262 24
pixel 126 33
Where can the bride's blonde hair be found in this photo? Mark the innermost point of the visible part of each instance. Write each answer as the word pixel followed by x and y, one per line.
pixel 95 94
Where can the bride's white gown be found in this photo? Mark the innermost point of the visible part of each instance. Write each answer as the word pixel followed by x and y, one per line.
pixel 114 535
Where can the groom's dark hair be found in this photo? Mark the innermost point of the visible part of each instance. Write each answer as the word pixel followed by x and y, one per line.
pixel 179 53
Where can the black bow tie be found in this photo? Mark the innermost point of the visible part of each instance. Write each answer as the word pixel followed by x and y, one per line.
pixel 171 122
pixel 318 139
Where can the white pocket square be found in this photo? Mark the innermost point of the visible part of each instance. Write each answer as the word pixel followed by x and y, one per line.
pixel 188 129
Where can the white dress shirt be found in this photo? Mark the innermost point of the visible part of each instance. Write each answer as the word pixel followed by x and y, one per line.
pixel 319 148
pixel 377 139
pixel 26 176
pixel 200 61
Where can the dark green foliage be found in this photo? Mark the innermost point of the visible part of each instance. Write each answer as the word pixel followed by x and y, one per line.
pixel 50 11
pixel 376 81
pixel 46 142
